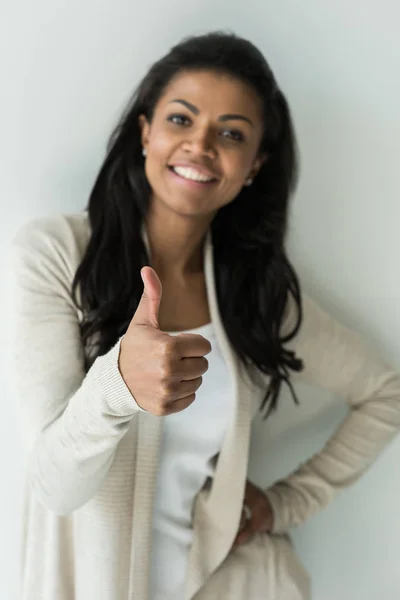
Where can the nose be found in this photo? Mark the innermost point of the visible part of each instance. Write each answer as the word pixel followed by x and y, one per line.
pixel 200 143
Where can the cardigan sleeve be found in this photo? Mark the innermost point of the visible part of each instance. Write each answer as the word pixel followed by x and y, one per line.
pixel 72 421
pixel 338 359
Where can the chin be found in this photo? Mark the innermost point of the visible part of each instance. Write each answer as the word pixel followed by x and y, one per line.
pixel 189 212
pixel 188 208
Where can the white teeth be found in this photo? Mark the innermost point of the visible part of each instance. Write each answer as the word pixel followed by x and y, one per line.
pixel 192 174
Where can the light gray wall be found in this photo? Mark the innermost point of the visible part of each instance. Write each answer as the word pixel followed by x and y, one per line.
pixel 68 68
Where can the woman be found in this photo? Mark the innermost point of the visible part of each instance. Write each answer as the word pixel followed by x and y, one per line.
pixel 137 442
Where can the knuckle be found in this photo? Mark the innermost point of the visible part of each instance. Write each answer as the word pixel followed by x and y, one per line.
pixel 170 389
pixel 173 344
pixel 161 410
pixel 164 375
pixel 164 394
pixel 169 348
pixel 157 411
pixel 164 354
pixel 166 367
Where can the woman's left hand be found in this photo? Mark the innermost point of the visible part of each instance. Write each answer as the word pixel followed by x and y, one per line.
pixel 260 518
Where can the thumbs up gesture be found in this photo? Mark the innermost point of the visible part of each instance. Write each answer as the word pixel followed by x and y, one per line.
pixel 163 372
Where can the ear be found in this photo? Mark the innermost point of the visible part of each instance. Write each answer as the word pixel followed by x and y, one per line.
pixel 257 164
pixel 145 130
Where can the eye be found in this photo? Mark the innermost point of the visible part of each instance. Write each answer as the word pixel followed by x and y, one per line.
pixel 233 134
pixel 178 119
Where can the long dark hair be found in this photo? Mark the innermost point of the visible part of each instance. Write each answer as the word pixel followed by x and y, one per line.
pixel 254 279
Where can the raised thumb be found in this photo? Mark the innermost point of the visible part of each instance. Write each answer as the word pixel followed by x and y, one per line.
pixel 149 305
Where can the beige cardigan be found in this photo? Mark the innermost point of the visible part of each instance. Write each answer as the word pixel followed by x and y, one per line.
pixel 92 453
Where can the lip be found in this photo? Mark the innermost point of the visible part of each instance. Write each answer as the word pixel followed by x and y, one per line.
pixel 190 183
pixel 203 170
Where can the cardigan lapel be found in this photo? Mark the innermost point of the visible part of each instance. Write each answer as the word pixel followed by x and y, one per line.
pixel 218 506
pixel 149 435
pixel 149 429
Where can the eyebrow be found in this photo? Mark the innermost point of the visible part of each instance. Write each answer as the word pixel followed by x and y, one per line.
pixel 228 117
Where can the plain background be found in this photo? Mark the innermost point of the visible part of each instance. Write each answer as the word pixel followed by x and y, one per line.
pixel 67 70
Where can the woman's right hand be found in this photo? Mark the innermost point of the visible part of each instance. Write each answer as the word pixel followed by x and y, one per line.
pixel 163 372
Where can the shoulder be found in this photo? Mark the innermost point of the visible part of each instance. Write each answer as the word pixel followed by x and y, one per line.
pixel 62 237
pixel 47 251
pixel 70 231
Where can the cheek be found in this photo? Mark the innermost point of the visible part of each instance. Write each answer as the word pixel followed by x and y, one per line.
pixel 160 145
pixel 158 156
pixel 237 167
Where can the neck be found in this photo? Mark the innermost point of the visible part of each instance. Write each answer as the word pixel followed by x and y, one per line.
pixel 176 244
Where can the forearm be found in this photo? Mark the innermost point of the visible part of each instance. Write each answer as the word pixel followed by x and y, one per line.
pixel 72 455
pixel 338 359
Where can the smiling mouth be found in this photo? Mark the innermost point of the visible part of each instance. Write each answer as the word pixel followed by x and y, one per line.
pixel 192 175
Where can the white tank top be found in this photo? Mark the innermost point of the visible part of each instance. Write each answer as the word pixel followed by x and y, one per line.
pixel 189 441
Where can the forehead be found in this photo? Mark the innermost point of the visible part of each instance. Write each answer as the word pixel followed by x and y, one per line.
pixel 213 92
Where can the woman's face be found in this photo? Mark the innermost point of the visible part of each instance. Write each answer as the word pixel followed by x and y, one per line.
pixel 202 143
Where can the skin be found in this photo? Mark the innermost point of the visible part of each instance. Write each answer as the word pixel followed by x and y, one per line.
pixel 229 147
pixel 213 121
pixel 261 520
pixel 191 130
